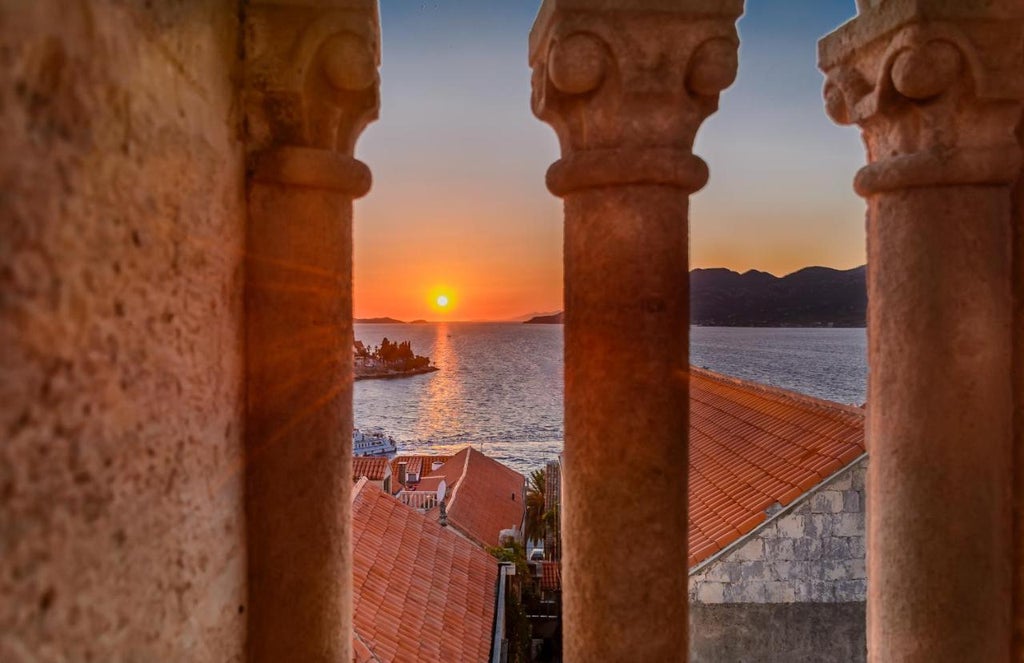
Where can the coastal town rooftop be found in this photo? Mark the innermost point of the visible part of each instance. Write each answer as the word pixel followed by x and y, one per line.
pixel 754 449
pixel 421 592
pixel 374 468
pixel 483 497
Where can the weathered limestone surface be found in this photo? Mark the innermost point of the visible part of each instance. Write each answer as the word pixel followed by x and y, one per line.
pixel 937 88
pixel 793 590
pixel 814 552
pixel 311 87
pixel 121 242
pixel 626 85
pixel 777 632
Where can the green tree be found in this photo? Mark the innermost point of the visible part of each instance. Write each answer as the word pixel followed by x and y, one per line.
pixel 536 525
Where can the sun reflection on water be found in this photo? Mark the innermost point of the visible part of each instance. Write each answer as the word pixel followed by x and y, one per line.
pixel 438 408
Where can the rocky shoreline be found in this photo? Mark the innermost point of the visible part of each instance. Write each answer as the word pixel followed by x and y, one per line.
pixel 378 374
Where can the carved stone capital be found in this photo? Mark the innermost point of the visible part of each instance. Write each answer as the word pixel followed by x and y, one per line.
pixel 626 85
pixel 311 83
pixel 936 86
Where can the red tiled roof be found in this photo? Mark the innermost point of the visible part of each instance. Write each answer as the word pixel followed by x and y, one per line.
pixel 373 468
pixel 484 496
pixel 551 577
pixel 428 484
pixel 360 652
pixel 415 464
pixel 420 592
pixel 752 446
pixel 451 471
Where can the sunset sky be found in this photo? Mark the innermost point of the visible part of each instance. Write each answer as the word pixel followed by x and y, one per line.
pixel 459 207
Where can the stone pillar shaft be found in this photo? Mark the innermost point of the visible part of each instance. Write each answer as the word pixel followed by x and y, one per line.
pixel 937 91
pixel 626 396
pixel 299 349
pixel 311 88
pixel 939 425
pixel 626 87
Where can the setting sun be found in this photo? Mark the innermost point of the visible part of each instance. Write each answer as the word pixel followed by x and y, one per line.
pixel 441 299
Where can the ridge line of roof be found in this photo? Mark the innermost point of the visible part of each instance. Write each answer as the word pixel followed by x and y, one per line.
pixel 465 468
pixel 773 417
pixel 373 654
pixel 782 513
pixel 431 522
pixel 406 529
pixel 358 487
pixel 751 385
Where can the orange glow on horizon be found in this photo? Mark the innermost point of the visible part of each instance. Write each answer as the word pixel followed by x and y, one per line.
pixel 504 263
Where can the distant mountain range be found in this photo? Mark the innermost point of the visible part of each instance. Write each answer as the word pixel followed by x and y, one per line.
pixel 811 297
pixel 529 317
pixel 378 321
pixel 549 319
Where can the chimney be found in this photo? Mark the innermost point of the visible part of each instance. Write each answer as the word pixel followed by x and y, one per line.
pixel 401 472
pixel 435 465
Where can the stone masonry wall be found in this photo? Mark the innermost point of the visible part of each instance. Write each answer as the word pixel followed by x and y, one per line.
pixel 793 591
pixel 814 552
pixel 121 238
pixel 778 633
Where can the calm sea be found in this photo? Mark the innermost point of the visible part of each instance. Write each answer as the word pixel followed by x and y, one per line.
pixel 500 385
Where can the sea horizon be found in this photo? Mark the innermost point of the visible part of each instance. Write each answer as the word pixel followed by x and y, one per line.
pixel 500 384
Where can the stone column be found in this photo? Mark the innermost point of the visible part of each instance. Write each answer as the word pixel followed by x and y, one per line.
pixel 936 87
pixel 312 86
pixel 626 84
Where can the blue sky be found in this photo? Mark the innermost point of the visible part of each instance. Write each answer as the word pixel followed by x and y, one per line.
pixel 459 161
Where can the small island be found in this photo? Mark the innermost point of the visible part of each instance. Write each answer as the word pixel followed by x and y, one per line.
pixel 389 360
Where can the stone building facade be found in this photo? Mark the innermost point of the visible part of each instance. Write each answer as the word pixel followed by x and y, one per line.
pixel 776 501
pixel 792 589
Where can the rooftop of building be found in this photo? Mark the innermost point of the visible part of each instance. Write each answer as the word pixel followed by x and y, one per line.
pixel 550 576
pixel 484 496
pixel 753 447
pixel 374 468
pixel 416 464
pixel 420 591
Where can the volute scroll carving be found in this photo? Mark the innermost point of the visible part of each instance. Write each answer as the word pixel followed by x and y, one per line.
pixel 937 100
pixel 312 86
pixel 627 86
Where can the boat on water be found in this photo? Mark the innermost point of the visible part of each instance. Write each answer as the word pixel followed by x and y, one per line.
pixel 372 443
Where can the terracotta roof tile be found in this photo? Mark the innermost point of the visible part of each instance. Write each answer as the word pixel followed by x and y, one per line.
pixel 550 576
pixel 428 483
pixel 420 592
pixel 484 496
pixel 415 464
pixel 752 446
pixel 373 468
pixel 361 653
